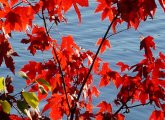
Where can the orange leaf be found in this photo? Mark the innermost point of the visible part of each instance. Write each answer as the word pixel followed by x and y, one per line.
pixel 120 117
pixel 105 44
pixel 123 66
pixel 157 115
pixel 148 43
pixel 105 107
pixel 162 3
pixel 95 91
pixel 77 11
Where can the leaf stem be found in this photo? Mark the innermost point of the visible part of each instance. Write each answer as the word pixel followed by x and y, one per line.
pixel 18 112
pixel 44 20
pixel 136 105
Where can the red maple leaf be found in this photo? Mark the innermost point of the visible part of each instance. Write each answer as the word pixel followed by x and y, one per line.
pixel 157 115
pixel 105 107
pixel 123 66
pixel 95 91
pixel 32 69
pixel 148 43
pixel 6 53
pixel 38 40
pixel 162 3
pixel 16 19
pixel 105 44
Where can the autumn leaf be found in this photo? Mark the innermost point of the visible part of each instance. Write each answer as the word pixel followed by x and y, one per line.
pixel 122 66
pixel 105 107
pixel 16 19
pixel 146 44
pixel 89 107
pixel 13 2
pixel 68 44
pixel 162 3
pixel 115 77
pixel 32 69
pixel 31 99
pixel 38 40
pixel 82 3
pixel 143 97
pixel 120 117
pixel 105 44
pixel 95 91
pixel 157 115
pixel 104 81
pixel 6 53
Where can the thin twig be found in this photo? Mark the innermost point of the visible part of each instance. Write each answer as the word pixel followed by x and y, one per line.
pixel 62 76
pixel 24 88
pixel 136 105
pixel 125 104
pixel 117 32
pixel 98 50
pixel 18 112
pixel 44 20
pixel 34 9
pixel 51 27
pixel 17 5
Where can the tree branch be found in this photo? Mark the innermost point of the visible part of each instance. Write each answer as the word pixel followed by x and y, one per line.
pixel 62 76
pixel 136 105
pixel 44 20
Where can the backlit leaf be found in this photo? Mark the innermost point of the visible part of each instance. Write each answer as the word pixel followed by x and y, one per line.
pixel 31 99
pixel 148 43
pixel 105 44
pixel 157 115
pixel 105 107
pixel 5 106
pixel 2 87
pixel 44 82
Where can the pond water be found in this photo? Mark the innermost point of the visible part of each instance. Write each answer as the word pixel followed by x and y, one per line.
pixel 125 47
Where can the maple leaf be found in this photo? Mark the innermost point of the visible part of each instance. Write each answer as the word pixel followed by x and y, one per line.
pixel 120 117
pixel 32 69
pixel 95 91
pixel 6 53
pixel 116 78
pixel 4 2
pixel 157 115
pixel 96 65
pixel 105 79
pixel 13 2
pixel 89 107
pixel 107 9
pixel 143 97
pixel 13 22
pixel 16 19
pixel 82 3
pixel 105 107
pixel 148 43
pixel 162 3
pixel 68 44
pixel 38 40
pixel 123 66
pixel 105 44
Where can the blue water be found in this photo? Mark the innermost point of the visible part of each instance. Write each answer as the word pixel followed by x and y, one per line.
pixel 125 47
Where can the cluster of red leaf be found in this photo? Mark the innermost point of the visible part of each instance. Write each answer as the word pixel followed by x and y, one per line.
pixel 66 80
pixel 130 11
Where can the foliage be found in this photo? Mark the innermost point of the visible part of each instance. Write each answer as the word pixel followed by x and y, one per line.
pixel 66 81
